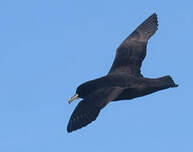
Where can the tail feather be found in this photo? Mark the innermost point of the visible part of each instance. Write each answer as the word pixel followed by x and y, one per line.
pixel 167 81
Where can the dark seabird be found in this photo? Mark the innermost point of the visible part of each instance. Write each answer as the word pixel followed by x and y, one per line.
pixel 124 81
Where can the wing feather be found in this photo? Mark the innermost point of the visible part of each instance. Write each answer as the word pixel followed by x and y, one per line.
pixel 88 109
pixel 132 51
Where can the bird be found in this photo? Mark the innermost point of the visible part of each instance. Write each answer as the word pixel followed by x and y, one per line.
pixel 124 81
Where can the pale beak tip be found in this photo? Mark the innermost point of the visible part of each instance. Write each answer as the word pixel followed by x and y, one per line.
pixel 69 101
pixel 73 98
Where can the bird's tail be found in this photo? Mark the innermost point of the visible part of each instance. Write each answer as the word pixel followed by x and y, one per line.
pixel 167 81
pixel 153 85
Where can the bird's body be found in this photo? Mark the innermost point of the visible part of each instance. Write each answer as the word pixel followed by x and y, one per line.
pixel 133 86
pixel 124 81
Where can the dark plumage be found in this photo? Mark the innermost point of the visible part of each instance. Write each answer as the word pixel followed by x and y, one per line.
pixel 124 80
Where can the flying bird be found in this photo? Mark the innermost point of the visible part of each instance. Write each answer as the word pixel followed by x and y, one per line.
pixel 124 81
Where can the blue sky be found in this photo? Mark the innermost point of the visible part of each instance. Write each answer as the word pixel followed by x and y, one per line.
pixel 49 47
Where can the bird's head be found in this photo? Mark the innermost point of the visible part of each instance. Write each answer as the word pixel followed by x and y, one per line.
pixel 81 92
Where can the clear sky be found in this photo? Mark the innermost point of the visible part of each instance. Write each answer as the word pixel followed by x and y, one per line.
pixel 48 48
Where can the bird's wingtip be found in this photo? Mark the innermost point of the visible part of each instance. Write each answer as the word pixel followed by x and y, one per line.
pixel 154 14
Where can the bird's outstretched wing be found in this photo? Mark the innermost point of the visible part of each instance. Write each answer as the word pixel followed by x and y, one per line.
pixel 88 109
pixel 132 51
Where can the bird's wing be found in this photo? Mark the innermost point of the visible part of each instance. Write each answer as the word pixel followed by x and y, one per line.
pixel 132 51
pixel 88 109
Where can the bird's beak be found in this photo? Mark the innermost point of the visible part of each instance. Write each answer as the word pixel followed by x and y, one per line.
pixel 73 98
